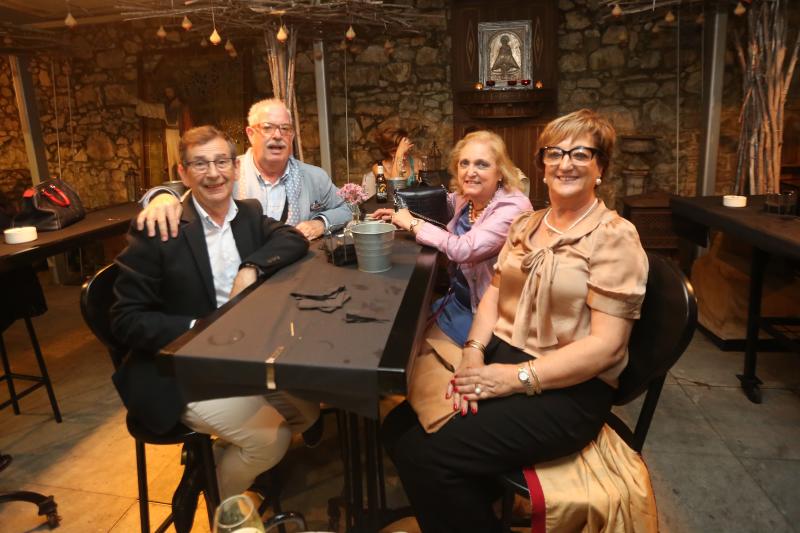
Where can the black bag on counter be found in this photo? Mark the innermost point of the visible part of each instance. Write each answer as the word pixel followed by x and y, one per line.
pixel 427 203
pixel 49 206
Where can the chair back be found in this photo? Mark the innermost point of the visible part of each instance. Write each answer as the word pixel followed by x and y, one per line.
pixel 658 339
pixel 97 297
pixel 660 336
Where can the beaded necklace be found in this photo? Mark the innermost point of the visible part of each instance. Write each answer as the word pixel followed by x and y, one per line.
pixel 578 221
pixel 473 214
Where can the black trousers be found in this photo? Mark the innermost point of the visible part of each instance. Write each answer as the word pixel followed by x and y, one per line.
pixel 449 476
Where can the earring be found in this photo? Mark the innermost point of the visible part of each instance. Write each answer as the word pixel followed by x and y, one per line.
pixel 544 180
pixel 598 181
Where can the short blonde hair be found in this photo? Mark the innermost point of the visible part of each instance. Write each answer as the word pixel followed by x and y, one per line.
pixel 580 123
pixel 258 107
pixel 499 151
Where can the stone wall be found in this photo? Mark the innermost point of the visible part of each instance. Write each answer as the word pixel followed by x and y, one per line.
pixel 391 82
pixel 633 71
pixel 91 132
pixel 649 86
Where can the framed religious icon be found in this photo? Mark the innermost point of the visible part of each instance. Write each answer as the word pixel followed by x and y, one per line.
pixel 504 53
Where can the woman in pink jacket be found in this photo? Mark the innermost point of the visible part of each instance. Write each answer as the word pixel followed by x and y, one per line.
pixel 486 202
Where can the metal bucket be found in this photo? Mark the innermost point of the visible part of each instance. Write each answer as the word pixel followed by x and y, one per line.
pixel 373 246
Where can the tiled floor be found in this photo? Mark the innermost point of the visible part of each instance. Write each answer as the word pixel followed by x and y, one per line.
pixel 717 461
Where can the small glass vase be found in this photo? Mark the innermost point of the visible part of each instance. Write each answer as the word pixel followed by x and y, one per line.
pixel 355 211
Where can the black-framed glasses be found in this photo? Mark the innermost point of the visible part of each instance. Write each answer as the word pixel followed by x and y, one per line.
pixel 579 155
pixel 268 128
pixel 201 165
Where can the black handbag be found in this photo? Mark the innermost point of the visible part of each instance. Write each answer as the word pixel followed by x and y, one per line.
pixel 427 203
pixel 49 206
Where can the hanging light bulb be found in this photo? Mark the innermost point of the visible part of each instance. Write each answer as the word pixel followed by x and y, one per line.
pixel 229 46
pixel 700 19
pixel 203 42
pixel 233 54
pixel 283 34
pixel 656 28
pixel 350 34
pixel 161 32
pixel 617 11
pixel 215 38
pixel 343 45
pixel 70 21
pixel 186 24
pixel 669 18
pixel 739 10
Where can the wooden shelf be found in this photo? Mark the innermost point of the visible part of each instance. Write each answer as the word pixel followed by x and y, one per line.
pixel 506 103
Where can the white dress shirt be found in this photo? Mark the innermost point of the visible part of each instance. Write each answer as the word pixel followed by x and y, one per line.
pixel 222 251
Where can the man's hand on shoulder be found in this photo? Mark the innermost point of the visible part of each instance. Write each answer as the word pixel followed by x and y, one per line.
pixel 311 229
pixel 247 276
pixel 165 211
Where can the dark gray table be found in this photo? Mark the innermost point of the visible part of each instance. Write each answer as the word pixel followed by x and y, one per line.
pixel 768 233
pixel 260 341
pixel 97 225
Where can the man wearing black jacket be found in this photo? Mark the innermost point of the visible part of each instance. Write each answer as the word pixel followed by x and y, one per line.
pixel 165 286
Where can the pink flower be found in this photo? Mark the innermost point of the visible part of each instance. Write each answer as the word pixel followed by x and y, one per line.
pixel 352 193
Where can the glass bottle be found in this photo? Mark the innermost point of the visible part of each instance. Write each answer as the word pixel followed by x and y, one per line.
pixel 381 190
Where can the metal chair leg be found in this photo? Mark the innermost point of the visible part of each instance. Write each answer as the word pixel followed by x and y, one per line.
pixel 43 369
pixel 7 376
pixel 141 476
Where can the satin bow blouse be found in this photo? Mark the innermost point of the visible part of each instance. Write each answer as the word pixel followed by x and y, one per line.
pixel 547 293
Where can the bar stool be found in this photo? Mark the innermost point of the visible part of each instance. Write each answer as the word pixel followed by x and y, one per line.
pixel 21 286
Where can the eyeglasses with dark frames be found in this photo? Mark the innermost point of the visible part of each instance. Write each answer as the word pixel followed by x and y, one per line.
pixel 200 166
pixel 579 155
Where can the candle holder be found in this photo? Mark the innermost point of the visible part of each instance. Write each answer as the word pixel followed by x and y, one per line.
pixel 525 83
pixel 511 83
pixel 490 83
pixel 478 86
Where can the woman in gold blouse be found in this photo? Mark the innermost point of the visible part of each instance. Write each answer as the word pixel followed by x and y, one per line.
pixel 547 345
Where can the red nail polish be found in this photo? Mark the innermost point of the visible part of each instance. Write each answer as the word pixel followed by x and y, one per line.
pixel 455 388
pixel 474 410
pixel 455 407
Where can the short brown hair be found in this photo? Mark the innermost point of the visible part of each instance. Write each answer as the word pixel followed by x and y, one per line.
pixel 580 123
pixel 499 151
pixel 203 135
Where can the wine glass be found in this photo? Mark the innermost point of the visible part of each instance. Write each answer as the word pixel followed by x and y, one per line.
pixel 237 514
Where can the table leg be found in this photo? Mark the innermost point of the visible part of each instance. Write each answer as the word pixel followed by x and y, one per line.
pixel 748 379
pixel 371 444
pixel 356 503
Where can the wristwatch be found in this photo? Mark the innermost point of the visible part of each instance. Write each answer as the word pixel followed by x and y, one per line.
pixel 525 379
pixel 413 224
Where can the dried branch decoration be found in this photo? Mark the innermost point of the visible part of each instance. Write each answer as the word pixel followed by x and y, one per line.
pixel 250 17
pixel 766 79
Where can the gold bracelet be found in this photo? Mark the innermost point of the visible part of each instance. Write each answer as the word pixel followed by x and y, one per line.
pixel 537 385
pixel 475 344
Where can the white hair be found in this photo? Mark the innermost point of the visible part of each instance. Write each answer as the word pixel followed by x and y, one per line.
pixel 258 107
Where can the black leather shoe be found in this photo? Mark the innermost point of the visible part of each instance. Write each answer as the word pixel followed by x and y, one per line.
pixel 184 500
pixel 313 435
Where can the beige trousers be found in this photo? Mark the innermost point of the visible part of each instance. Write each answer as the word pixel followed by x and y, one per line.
pixel 254 433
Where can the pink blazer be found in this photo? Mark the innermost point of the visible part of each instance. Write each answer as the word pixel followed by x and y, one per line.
pixel 476 251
